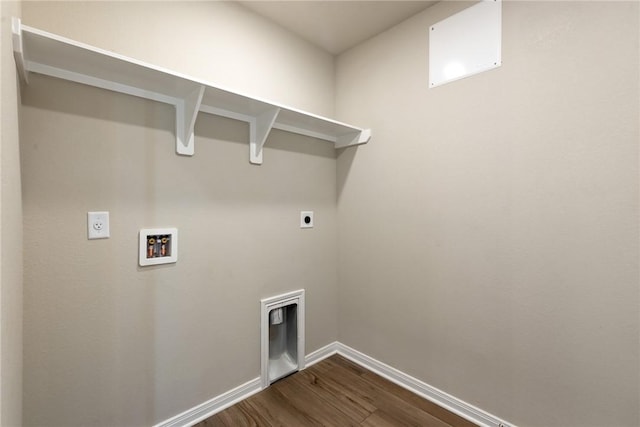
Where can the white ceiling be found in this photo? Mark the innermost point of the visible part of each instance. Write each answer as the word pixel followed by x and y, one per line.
pixel 336 25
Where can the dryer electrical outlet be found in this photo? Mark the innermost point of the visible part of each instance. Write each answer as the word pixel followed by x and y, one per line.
pixel 306 219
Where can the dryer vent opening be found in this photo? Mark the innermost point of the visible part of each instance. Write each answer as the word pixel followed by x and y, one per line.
pixel 283 341
pixel 282 336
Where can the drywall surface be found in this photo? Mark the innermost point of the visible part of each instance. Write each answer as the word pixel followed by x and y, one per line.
pixel 109 343
pixel 488 234
pixel 220 42
pixel 10 231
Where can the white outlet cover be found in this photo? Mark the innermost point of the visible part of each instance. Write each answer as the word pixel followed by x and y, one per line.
pixel 306 219
pixel 98 225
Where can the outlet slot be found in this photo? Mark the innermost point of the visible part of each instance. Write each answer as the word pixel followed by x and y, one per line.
pixel 306 219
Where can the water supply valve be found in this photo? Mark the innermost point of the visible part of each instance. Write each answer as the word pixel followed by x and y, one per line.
pixel 158 246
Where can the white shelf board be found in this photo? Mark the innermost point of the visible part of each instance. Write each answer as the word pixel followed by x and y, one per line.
pixel 41 52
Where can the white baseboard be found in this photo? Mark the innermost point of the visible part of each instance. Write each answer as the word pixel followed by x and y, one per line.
pixel 439 397
pixel 211 407
pixel 321 353
pixel 205 410
pixel 465 410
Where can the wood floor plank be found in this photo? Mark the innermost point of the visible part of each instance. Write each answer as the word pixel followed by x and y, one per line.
pixel 320 366
pixel 418 401
pixel 345 363
pixel 277 411
pixel 402 412
pixel 320 410
pixel 334 392
pixel 379 419
pixel 238 415
pixel 406 395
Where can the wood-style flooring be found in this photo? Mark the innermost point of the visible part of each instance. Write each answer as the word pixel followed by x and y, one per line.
pixel 335 392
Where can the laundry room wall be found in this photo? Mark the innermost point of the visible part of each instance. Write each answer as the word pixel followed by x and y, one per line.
pixel 489 232
pixel 107 342
pixel 10 230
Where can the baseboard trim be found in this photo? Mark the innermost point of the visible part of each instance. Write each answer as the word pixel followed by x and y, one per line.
pixel 439 397
pixel 205 410
pixel 211 407
pixel 321 353
pixel 465 410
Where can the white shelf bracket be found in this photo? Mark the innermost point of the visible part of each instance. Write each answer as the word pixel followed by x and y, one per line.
pixel 18 51
pixel 39 52
pixel 186 113
pixel 259 129
pixel 355 138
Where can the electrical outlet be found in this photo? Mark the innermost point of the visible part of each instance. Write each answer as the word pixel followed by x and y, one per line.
pixel 98 225
pixel 306 219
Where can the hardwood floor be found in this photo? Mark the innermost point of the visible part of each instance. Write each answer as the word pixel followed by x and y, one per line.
pixel 335 392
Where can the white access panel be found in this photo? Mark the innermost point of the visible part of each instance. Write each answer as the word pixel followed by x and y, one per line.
pixel 466 43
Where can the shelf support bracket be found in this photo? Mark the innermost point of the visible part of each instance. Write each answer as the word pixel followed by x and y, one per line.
pixel 354 138
pixel 186 113
pixel 18 51
pixel 259 129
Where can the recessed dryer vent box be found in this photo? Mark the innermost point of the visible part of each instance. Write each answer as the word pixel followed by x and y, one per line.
pixel 158 246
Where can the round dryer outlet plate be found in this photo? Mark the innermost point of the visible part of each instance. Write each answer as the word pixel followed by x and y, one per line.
pixel 306 219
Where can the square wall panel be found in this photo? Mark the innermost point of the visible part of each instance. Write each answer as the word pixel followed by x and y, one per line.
pixel 466 43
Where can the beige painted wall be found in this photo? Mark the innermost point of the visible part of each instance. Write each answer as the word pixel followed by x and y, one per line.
pixel 218 41
pixel 488 234
pixel 10 231
pixel 108 343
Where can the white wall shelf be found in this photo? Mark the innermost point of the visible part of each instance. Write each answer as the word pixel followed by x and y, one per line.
pixel 37 51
